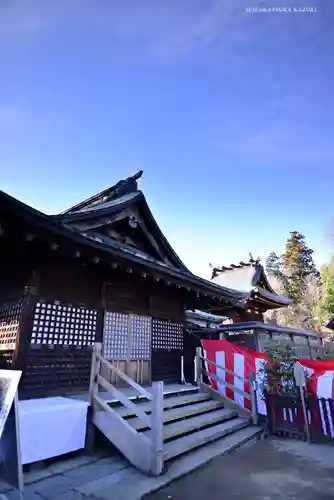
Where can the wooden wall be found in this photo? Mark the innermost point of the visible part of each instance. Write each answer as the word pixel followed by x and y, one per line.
pixel 101 287
pixel 48 278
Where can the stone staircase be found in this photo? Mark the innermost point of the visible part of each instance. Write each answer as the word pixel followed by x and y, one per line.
pixel 191 420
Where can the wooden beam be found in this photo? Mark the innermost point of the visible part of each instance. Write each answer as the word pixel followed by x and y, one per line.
pixel 105 221
pixel 149 236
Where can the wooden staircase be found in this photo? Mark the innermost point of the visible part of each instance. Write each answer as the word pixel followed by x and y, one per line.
pixel 190 419
pixel 157 424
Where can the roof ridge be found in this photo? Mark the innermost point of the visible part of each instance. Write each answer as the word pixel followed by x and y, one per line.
pixel 124 186
pixel 251 263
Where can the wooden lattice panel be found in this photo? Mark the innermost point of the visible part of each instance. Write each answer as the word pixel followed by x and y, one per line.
pixel 141 328
pixel 55 372
pixel 10 313
pixel 167 335
pixel 6 358
pixel 59 324
pixel 115 336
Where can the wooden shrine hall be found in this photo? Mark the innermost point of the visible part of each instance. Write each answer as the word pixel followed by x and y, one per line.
pixel 248 278
pixel 101 271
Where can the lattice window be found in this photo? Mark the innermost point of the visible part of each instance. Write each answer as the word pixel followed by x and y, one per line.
pixel 10 313
pixel 116 341
pixel 59 324
pixel 167 335
pixel 141 327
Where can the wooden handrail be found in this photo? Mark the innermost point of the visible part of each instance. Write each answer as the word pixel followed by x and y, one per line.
pixel 136 446
pixel 104 406
pixel 225 369
pixel 123 376
pixel 125 401
pixel 229 386
pixel 135 441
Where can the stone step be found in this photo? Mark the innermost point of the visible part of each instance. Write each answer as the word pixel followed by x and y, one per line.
pixel 180 413
pixel 131 484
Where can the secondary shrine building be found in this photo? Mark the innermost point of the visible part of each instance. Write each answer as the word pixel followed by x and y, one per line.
pixel 102 271
pixel 248 278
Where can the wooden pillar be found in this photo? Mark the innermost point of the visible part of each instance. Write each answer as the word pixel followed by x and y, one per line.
pixel 157 419
pixel 258 343
pixel 25 329
pixel 99 324
pixel 309 347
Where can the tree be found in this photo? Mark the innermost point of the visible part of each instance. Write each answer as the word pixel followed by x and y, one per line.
pixel 274 266
pixel 275 270
pixel 298 266
pixel 278 373
pixel 297 278
pixel 326 306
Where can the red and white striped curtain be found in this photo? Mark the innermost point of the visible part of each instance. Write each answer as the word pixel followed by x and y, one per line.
pixel 243 361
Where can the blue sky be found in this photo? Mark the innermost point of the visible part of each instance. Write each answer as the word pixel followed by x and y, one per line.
pixel 230 115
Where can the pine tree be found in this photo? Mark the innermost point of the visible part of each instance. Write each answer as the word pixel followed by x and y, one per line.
pixel 298 266
pixel 326 309
pixel 274 265
pixel 274 269
pixel 297 276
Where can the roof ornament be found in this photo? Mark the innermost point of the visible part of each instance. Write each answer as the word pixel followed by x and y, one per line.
pixel 125 186
pixel 133 221
pixel 254 261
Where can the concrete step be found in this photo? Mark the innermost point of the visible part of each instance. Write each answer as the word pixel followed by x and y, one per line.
pixel 170 402
pixel 182 427
pixel 180 413
pixel 195 440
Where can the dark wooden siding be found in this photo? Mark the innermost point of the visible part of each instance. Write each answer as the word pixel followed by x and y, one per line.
pixel 129 296
pixel 56 279
pixel 70 282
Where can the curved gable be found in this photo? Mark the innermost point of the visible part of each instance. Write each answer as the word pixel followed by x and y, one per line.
pixel 121 214
pixel 250 278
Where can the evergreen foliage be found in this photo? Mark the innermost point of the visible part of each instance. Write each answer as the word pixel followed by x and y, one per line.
pixel 278 373
pixel 297 278
pixel 326 306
